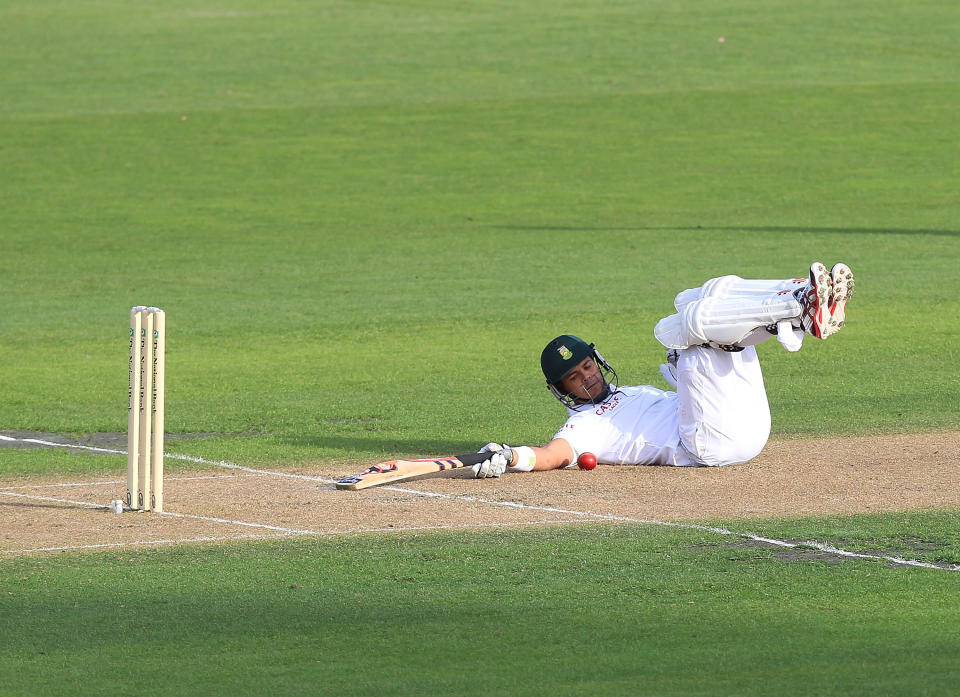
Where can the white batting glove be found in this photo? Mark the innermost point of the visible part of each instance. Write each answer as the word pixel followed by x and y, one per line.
pixel 790 337
pixel 496 464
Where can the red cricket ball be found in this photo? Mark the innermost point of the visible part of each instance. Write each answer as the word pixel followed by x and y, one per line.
pixel 587 461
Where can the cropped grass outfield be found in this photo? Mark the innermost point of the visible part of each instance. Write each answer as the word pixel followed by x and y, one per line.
pixel 365 219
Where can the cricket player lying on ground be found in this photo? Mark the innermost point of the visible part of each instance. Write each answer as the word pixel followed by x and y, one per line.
pixel 719 413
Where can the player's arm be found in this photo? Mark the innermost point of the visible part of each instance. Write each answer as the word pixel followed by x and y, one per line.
pixel 555 454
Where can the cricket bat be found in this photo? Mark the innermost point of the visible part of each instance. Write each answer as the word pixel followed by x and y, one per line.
pixel 399 470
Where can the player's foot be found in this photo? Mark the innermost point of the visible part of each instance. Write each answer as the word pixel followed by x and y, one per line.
pixel 842 278
pixel 815 298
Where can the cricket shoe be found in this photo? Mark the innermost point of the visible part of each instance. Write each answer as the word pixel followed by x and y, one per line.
pixel 842 278
pixel 815 298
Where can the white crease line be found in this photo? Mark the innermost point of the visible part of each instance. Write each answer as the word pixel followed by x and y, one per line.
pixel 120 482
pixel 265 526
pixel 211 519
pixel 823 547
pixel 60 485
pixel 231 465
pixel 175 456
pixel 85 504
pixel 66 445
pixel 275 528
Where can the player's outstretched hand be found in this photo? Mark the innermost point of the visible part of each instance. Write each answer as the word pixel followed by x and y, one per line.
pixel 496 464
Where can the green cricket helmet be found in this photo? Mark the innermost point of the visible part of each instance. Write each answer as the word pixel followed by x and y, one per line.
pixel 561 356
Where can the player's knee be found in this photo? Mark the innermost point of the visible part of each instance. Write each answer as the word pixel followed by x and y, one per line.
pixel 718 286
pixel 685 297
pixel 743 452
pixel 733 445
pixel 703 321
pixel 738 453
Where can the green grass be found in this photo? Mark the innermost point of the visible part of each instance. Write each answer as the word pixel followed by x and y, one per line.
pixel 594 609
pixel 307 229
pixel 929 536
pixel 365 219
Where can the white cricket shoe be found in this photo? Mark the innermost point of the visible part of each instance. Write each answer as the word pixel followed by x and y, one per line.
pixel 815 298
pixel 842 279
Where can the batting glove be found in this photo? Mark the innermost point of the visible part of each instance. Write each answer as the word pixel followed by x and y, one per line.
pixel 496 464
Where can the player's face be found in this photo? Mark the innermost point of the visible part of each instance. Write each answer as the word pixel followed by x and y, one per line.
pixel 585 382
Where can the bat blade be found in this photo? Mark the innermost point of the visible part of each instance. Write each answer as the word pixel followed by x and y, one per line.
pixel 399 470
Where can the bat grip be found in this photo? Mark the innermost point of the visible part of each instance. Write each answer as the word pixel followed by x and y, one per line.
pixel 471 459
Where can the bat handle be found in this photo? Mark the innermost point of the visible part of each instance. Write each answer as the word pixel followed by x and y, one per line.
pixel 471 459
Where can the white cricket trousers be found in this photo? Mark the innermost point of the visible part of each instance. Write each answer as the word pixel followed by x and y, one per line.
pixel 724 416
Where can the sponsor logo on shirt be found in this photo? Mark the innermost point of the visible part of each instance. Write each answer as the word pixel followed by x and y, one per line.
pixel 609 405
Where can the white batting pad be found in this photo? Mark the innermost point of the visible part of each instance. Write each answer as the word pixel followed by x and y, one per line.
pixel 724 320
pixel 735 286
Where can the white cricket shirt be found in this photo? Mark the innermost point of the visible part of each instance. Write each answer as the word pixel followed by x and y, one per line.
pixel 636 425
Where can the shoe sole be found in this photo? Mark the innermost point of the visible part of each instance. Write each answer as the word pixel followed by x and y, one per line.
pixel 843 284
pixel 821 287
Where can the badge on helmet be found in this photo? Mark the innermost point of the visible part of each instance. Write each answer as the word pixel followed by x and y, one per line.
pixel 563 354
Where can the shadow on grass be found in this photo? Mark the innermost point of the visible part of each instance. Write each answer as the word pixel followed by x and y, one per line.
pixel 735 228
